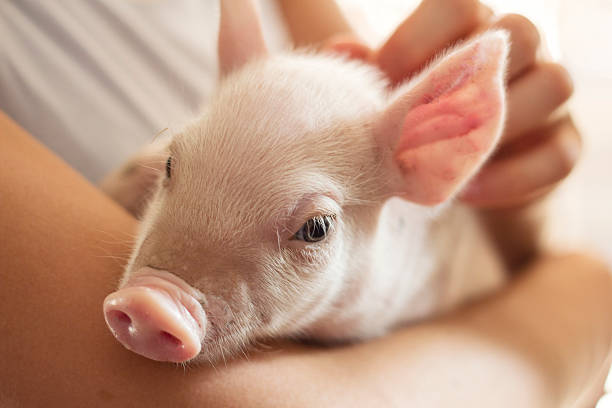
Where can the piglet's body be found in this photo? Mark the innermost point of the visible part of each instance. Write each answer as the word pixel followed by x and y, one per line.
pixel 308 201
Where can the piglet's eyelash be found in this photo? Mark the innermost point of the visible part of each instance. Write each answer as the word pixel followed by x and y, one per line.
pixel 169 167
pixel 316 229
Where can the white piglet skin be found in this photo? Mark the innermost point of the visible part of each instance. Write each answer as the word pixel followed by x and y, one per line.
pixel 310 201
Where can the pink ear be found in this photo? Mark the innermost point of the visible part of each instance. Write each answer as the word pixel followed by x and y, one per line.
pixel 240 36
pixel 444 124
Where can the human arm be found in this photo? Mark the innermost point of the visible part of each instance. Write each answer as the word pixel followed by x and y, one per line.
pixel 63 248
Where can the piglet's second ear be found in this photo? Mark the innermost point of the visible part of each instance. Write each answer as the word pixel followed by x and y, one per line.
pixel 240 35
pixel 442 126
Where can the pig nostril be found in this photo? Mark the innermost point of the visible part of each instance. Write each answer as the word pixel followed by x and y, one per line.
pixel 170 339
pixel 122 319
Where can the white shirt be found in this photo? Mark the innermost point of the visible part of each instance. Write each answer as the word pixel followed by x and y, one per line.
pixel 95 80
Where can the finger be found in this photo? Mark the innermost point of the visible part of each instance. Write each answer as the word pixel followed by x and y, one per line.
pixel 433 26
pixel 519 178
pixel 534 96
pixel 485 13
pixel 312 22
pixel 524 42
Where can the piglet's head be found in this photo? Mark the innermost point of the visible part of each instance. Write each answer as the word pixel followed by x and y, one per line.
pixel 266 213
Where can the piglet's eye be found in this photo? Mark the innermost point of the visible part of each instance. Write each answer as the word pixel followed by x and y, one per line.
pixel 169 167
pixel 315 229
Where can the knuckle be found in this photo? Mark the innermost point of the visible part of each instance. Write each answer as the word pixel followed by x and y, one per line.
pixel 566 165
pixel 559 81
pixel 524 33
pixel 467 11
pixel 568 148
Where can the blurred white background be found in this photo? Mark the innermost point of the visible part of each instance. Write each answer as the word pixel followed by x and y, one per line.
pixel 578 34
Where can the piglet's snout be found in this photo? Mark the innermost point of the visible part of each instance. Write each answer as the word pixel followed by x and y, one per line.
pixel 156 315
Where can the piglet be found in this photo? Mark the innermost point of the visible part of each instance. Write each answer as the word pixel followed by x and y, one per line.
pixel 310 201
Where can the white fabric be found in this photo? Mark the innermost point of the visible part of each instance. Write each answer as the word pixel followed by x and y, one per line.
pixel 96 80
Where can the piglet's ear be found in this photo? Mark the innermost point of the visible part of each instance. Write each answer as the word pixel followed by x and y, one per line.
pixel 441 127
pixel 240 35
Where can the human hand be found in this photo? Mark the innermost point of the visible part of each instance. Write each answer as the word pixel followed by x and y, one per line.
pixel 537 150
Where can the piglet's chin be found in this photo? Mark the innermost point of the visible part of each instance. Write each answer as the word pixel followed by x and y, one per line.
pixel 157 315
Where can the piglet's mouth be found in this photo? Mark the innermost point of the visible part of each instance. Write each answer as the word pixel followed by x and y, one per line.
pixel 157 315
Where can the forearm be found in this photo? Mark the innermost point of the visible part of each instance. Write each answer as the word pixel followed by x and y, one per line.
pixel 313 22
pixel 551 328
pixel 542 343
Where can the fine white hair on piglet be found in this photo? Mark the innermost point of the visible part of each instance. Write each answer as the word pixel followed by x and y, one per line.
pixel 308 200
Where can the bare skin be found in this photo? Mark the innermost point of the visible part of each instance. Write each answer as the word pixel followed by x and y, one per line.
pixel 64 245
